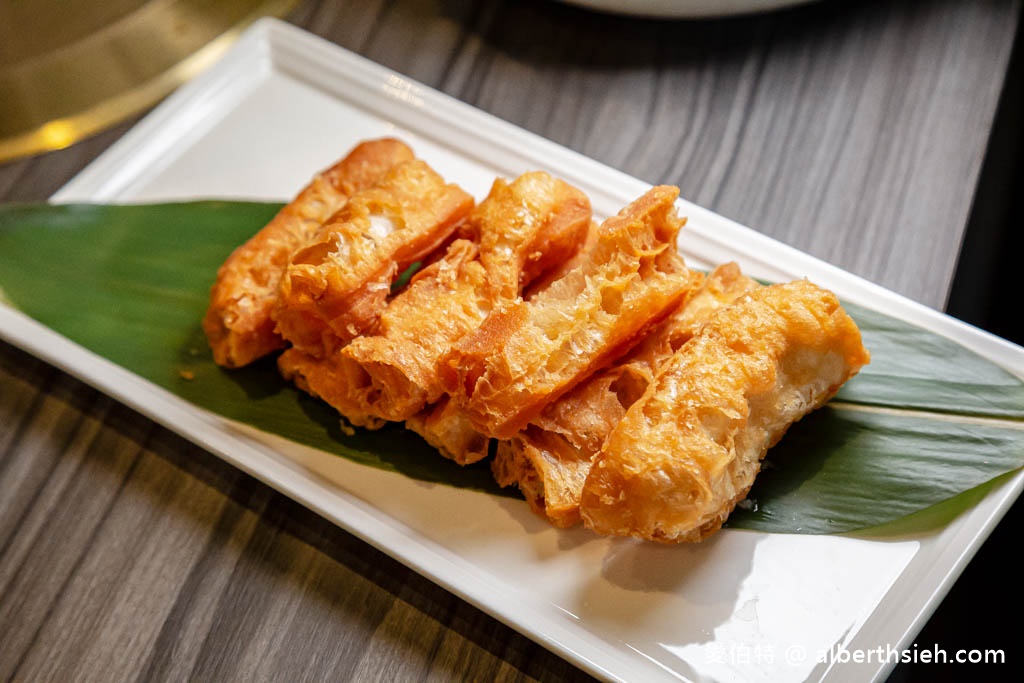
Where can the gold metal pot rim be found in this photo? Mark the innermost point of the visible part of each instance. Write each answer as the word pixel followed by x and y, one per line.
pixel 54 93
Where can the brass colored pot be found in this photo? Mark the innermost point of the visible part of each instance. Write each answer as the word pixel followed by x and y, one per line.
pixel 70 68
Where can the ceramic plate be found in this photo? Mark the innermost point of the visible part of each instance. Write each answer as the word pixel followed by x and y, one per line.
pixel 742 606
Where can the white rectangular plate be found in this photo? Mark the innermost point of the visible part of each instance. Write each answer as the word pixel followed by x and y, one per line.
pixel 742 606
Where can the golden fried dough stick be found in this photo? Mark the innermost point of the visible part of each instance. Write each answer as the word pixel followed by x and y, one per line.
pixel 528 353
pixel 522 227
pixel 448 430
pixel 558 271
pixel 391 375
pixel 535 221
pixel 238 322
pixel 441 303
pixel 527 227
pixel 336 287
pixel 722 287
pixel 548 470
pixel 342 385
pixel 550 459
pixel 689 449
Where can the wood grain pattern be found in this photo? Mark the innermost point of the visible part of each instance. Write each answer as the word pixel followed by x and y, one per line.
pixel 852 130
pixel 127 553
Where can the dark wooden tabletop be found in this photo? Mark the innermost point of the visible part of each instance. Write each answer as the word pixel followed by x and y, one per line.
pixel 855 131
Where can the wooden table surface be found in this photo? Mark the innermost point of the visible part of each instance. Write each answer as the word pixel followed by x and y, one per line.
pixel 855 131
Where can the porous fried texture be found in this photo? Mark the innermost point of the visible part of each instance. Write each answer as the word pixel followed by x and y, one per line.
pixel 550 459
pixel 722 287
pixel 447 429
pixel 520 229
pixel 338 382
pixel 587 414
pixel 441 303
pixel 336 287
pixel 688 450
pixel 390 376
pixel 527 353
pixel 238 322
pixel 527 227
pixel 560 270
pixel 548 470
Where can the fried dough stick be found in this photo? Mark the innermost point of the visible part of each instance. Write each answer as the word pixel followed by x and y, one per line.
pixel 445 427
pixel 238 323
pixel 543 251
pixel 528 353
pixel 550 459
pixel 336 287
pixel 524 229
pixel 687 451
pixel 392 375
pixel 527 228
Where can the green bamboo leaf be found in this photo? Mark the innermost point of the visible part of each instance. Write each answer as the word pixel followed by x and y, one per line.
pixel 131 284
pixel 916 369
pixel 926 427
pixel 848 467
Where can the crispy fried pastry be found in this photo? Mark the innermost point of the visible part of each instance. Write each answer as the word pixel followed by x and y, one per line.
pixel 238 323
pixel 624 390
pixel 390 376
pixel 528 353
pixel 688 450
pixel 548 470
pixel 447 429
pixel 341 384
pixel 550 459
pixel 526 227
pixel 336 287
pixel 558 271
pixel 399 363
pixel 441 303
pixel 392 373
pixel 522 227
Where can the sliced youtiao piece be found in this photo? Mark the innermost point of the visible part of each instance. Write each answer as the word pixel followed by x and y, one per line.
pixel 722 287
pixel 448 430
pixel 587 414
pixel 527 227
pixel 550 459
pixel 557 272
pixel 441 303
pixel 534 222
pixel 527 353
pixel 688 450
pixel 336 287
pixel 391 375
pixel 238 321
pixel 548 470
pixel 340 384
